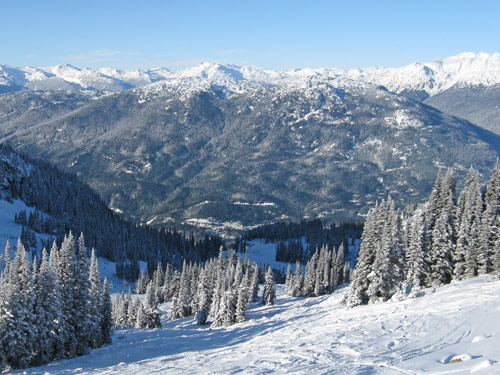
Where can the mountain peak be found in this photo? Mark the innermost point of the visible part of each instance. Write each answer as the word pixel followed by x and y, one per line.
pixel 464 69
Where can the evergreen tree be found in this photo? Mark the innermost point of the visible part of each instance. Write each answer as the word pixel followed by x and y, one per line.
pixel 254 285
pixel 133 309
pixel 415 253
pixel 205 297
pixel 288 280
pixel 67 278
pixel 357 294
pixel 243 298
pixel 17 327
pixel 468 224
pixel 269 293
pixel 489 235
pixel 443 244
pixel 142 320
pixel 95 298
pixel 47 310
pixel 105 309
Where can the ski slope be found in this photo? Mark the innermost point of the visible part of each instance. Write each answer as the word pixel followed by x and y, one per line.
pixel 453 330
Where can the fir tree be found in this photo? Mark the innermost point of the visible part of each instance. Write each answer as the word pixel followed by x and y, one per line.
pixel 47 311
pixel 269 293
pixel 105 309
pixel 95 299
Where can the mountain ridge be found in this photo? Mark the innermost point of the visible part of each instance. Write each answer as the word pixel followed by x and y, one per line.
pixel 432 77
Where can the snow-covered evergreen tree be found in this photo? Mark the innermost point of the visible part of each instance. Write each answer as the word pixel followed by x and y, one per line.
pixel 17 321
pixel 269 292
pixel 205 297
pixel 95 301
pixel 357 294
pixel 47 310
pixel 468 214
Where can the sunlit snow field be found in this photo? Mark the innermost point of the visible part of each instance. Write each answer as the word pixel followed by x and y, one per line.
pixel 454 330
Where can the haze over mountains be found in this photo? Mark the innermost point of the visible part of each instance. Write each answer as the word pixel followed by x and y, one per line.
pixel 217 144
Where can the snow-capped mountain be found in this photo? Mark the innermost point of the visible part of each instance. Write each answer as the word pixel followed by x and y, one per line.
pixel 187 146
pixel 465 69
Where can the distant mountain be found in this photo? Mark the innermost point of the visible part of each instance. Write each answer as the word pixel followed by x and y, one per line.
pixel 459 77
pixel 217 145
pixel 464 70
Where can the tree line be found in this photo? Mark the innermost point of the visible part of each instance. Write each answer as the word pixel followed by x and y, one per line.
pixel 219 292
pixel 289 234
pixel 70 205
pixel 446 238
pixel 52 308
pixel 323 273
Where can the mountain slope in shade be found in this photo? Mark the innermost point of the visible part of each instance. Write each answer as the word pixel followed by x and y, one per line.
pixel 244 152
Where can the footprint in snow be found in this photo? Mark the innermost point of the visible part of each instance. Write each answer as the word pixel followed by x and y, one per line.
pixel 391 344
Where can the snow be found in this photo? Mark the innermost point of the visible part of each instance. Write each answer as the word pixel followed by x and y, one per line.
pixel 433 334
pixel 10 231
pixel 432 77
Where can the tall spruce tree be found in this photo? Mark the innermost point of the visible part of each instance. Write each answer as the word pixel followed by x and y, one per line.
pixel 269 292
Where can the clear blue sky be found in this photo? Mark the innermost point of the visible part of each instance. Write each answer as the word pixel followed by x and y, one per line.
pixel 272 34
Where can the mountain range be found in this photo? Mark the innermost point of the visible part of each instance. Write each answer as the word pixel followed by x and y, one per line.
pixel 236 146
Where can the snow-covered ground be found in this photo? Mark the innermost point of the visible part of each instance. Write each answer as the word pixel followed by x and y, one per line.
pixel 10 231
pixel 264 253
pixel 454 330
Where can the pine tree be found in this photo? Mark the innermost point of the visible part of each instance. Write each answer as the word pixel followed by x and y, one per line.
pixel 95 297
pixel 310 275
pixel 7 258
pixel 338 267
pixel 205 298
pixel 105 309
pixel 47 312
pixel 269 293
pixel 288 280
pixel 443 244
pixel 297 281
pixel 67 278
pixel 254 286
pixel 133 308
pixel 243 298
pixel 17 327
pixel 468 218
pixel 81 309
pixel 415 253
pixel 489 234
pixel 357 294
pixel 142 320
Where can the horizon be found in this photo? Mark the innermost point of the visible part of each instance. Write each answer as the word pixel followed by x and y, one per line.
pixel 244 66
pixel 280 35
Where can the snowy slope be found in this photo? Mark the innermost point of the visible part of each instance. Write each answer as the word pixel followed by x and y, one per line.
pixel 465 69
pixel 264 253
pixel 451 331
pixel 10 231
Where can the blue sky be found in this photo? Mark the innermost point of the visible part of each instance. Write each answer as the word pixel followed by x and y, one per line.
pixel 272 34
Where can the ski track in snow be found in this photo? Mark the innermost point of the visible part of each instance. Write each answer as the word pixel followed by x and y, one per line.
pixel 425 335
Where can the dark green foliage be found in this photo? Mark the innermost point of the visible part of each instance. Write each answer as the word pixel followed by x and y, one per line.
pixel 73 206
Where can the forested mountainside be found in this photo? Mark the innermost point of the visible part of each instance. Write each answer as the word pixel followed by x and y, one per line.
pixel 66 204
pixel 303 148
